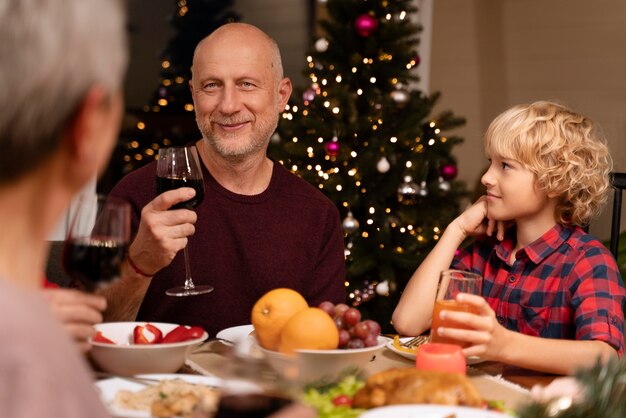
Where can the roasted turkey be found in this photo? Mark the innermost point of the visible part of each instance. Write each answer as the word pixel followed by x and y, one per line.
pixel 409 385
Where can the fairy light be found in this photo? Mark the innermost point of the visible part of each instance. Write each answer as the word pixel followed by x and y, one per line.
pixel 294 139
pixel 162 102
pixel 338 78
pixel 141 126
pixel 335 110
pixel 167 82
pixel 353 154
pixel 369 221
pixel 431 142
pixel 409 164
pixel 354 70
pixel 359 92
pixel 165 64
pixel 339 187
pixel 402 15
pixel 372 210
pixel 373 80
pixel 189 107
pixel 393 139
pixel 326 103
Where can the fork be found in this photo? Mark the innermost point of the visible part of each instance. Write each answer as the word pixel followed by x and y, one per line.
pixel 416 341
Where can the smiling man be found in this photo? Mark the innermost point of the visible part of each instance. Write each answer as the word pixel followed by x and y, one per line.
pixel 259 227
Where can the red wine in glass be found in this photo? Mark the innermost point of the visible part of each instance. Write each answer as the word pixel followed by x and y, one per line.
pixel 94 262
pixel 168 183
pixel 97 241
pixel 180 167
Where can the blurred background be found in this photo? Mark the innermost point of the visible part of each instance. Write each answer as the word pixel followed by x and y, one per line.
pixel 483 56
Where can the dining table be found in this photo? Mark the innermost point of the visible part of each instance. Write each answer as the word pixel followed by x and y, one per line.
pixel 495 381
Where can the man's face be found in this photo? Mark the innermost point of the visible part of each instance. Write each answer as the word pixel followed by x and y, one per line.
pixel 237 95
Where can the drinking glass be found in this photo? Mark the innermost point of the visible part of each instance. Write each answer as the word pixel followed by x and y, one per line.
pixel 97 240
pixel 451 283
pixel 180 167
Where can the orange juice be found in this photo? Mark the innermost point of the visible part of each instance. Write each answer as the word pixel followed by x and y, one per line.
pixel 448 305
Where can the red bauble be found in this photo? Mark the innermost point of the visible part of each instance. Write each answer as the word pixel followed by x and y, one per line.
pixel 332 148
pixel 366 25
pixel 449 171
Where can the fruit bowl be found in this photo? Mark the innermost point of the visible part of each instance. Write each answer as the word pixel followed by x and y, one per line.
pixel 322 366
pixel 124 358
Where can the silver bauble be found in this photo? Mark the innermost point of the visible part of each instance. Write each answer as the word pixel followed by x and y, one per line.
pixel 408 191
pixel 383 165
pixel 423 189
pixel 401 97
pixel 321 45
pixel 382 288
pixel 350 223
pixel 443 185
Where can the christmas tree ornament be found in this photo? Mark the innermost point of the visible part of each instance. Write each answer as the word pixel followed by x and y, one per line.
pixel 308 95
pixel 443 185
pixel 449 171
pixel 348 250
pixel 321 45
pixel 383 165
pixel 332 148
pixel 366 25
pixel 408 191
pixel 382 288
pixel 400 95
pixel 350 223
pixel 423 189
pixel 275 138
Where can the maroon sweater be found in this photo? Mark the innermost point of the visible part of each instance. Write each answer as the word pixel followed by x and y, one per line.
pixel 287 236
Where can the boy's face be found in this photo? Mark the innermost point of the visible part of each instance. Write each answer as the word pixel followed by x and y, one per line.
pixel 513 194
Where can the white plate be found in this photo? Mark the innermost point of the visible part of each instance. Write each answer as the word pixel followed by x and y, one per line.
pixel 411 356
pixel 236 334
pixel 108 388
pixel 430 411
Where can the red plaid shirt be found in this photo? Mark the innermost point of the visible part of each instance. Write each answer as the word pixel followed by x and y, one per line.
pixel 564 285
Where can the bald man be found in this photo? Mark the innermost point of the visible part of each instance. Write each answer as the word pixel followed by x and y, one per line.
pixel 259 226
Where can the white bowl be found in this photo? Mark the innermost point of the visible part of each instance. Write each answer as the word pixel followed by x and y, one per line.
pixel 322 366
pixel 124 359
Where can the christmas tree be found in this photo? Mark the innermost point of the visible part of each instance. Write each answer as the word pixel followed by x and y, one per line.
pixel 168 119
pixel 366 139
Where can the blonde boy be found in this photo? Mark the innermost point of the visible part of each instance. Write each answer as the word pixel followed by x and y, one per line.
pixel 552 294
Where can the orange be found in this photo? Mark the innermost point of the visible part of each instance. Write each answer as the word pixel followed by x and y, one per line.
pixel 272 311
pixel 310 329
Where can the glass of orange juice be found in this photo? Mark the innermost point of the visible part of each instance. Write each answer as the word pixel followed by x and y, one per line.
pixel 451 283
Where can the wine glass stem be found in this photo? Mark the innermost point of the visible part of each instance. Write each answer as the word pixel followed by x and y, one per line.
pixel 188 282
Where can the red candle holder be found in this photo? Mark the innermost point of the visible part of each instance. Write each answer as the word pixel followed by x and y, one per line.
pixel 441 357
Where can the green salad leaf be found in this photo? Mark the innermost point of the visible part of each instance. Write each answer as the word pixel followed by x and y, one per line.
pixel 321 398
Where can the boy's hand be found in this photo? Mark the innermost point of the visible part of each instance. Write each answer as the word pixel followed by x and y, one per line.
pixel 487 338
pixel 475 221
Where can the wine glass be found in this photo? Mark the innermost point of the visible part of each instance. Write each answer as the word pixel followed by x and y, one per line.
pixel 180 167
pixel 97 240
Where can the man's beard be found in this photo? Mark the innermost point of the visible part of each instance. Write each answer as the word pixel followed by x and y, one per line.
pixel 233 145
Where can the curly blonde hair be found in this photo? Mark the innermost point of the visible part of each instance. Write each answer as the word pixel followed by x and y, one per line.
pixel 564 150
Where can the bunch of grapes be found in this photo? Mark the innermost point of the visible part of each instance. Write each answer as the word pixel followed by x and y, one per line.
pixel 353 333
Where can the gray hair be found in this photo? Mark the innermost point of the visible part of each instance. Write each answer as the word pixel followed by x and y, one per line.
pixel 51 54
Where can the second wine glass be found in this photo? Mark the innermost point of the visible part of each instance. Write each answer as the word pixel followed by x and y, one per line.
pixel 97 240
pixel 180 167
